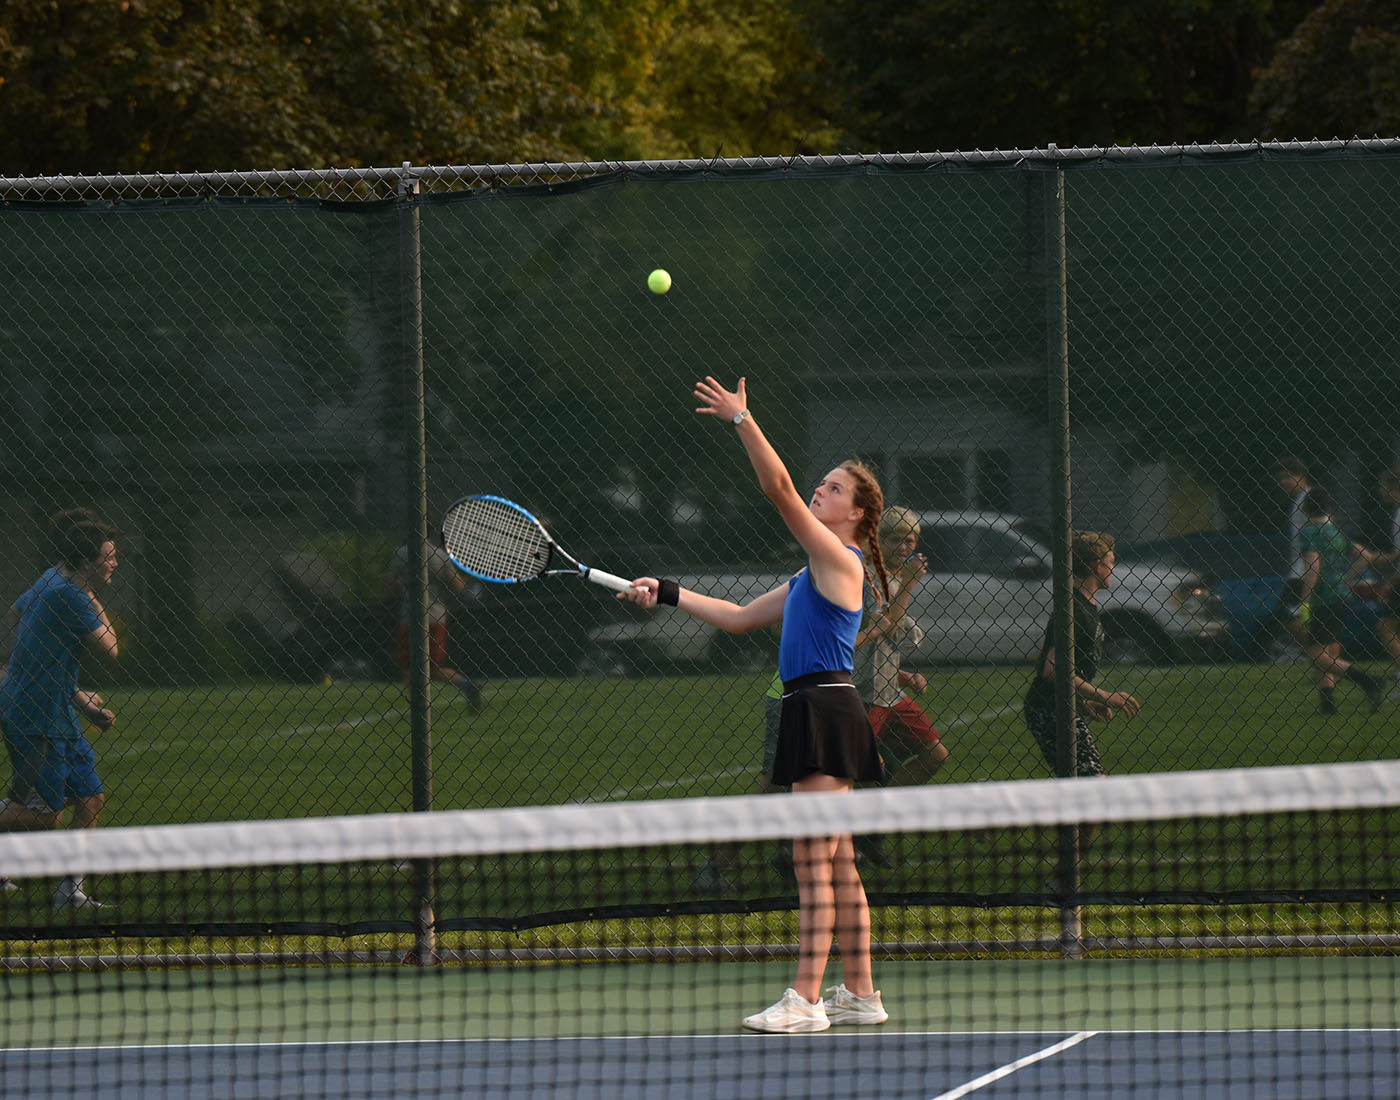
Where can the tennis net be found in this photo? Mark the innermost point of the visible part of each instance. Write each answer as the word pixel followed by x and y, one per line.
pixel 1227 933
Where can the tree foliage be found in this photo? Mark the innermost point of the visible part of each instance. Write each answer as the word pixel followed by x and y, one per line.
pixel 171 85
pixel 1337 75
pixel 690 78
pixel 945 74
pixel 94 86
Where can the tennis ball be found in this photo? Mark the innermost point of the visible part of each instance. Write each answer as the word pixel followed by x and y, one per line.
pixel 659 281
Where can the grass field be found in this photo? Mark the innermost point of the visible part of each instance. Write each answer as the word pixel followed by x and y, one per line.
pixel 272 750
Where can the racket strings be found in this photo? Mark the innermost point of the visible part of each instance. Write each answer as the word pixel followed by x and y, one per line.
pixel 492 539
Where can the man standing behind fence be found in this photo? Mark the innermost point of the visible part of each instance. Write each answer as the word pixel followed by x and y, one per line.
pixel 54 765
pixel 444 580
pixel 1092 559
pixel 1328 559
pixel 1292 478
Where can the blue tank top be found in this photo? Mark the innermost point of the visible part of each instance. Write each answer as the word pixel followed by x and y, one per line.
pixel 817 635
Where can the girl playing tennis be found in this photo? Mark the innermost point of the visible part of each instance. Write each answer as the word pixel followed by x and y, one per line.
pixel 825 742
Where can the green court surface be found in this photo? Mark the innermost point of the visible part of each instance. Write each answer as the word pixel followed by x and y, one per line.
pixel 383 1004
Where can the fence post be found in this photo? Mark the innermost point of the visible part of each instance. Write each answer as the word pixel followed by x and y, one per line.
pixel 416 476
pixel 1061 525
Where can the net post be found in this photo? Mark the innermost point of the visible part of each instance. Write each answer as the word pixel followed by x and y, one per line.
pixel 416 467
pixel 1057 372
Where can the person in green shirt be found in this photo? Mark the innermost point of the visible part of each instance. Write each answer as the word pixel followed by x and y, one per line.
pixel 1328 559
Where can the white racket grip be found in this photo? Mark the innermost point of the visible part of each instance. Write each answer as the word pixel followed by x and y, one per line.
pixel 607 580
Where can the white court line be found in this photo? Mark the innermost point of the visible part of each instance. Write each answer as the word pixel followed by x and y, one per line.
pixel 973 719
pixel 1011 1067
pixel 348 724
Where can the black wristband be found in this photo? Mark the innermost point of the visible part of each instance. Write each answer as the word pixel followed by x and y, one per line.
pixel 668 592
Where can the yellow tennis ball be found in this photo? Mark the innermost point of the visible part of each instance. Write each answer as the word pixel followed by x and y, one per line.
pixel 659 281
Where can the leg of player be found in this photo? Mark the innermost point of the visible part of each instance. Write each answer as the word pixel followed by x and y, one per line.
pixel 800 1009
pixel 437 652
pixel 16 817
pixel 813 860
pixel 922 766
pixel 70 893
pixel 855 1000
pixel 462 684
pixel 1329 666
pixel 1388 632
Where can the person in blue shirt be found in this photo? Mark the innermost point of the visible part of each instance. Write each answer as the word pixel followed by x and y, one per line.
pixel 54 765
pixel 825 741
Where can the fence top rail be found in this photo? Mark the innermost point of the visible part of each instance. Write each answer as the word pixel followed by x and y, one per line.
pixel 404 176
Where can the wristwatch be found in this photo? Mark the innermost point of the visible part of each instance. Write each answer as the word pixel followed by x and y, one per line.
pixel 740 417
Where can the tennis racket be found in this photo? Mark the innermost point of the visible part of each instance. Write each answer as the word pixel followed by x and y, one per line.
pixel 496 540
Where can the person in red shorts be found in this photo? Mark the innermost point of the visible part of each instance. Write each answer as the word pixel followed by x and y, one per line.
pixel 906 736
pixel 444 579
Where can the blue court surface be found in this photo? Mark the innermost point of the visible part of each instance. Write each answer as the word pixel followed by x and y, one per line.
pixel 1286 1028
pixel 1283 1065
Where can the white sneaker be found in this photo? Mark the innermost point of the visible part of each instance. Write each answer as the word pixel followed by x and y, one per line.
pixel 74 898
pixel 844 1007
pixel 791 1014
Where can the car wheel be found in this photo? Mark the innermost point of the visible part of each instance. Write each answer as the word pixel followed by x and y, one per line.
pixel 1134 642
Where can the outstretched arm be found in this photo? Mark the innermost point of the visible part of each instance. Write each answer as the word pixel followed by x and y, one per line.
pixel 835 571
pixel 729 616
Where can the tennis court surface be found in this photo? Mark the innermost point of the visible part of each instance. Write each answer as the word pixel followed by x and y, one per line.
pixel 1227 934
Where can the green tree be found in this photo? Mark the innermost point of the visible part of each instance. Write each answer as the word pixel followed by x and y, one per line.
pixel 1337 75
pixel 688 78
pixel 944 74
pixel 183 85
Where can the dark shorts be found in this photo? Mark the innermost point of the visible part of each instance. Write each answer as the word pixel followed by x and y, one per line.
pixel 824 728
pixel 50 772
pixel 1325 624
pixel 1286 613
pixel 1043 728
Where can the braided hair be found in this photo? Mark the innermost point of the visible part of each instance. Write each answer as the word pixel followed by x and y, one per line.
pixel 871 498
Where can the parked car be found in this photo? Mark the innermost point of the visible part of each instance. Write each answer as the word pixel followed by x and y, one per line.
pixel 985 600
pixel 1247 571
pixel 988 594
pixel 661 638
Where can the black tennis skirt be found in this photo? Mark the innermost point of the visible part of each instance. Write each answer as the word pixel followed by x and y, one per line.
pixel 825 728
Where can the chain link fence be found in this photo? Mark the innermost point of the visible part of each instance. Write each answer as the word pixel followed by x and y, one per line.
pixel 272 382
